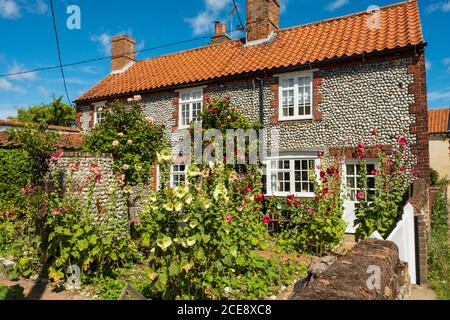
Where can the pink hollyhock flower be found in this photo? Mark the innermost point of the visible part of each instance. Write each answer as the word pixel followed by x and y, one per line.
pixel 375 172
pixel 266 219
pixel 95 168
pixel 360 195
pixel 249 190
pixel 230 219
pixel 361 151
pixel 401 140
pixel 291 197
pixel 297 203
pixel 310 210
pixel 325 191
pixel 259 197
pixel 57 212
pixel 57 155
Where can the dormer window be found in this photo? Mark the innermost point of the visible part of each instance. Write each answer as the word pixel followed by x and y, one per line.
pixel 296 96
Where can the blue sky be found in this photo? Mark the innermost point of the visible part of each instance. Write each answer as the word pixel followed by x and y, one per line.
pixel 28 42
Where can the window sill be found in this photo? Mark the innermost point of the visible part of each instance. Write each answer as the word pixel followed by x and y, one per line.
pixel 295 119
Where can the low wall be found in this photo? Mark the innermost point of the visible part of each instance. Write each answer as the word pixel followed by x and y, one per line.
pixel 77 167
pixel 348 277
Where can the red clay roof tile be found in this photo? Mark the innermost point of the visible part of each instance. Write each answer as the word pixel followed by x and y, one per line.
pixel 439 121
pixel 333 38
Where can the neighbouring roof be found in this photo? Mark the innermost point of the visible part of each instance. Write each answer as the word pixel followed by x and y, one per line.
pixel 439 121
pixel 334 38
pixel 70 138
pixel 10 123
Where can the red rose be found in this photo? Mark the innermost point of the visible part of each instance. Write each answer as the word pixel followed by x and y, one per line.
pixel 259 197
pixel 291 197
pixel 322 174
pixel 325 191
pixel 360 195
pixel 248 189
pixel 375 172
pixel 266 219
pixel 229 219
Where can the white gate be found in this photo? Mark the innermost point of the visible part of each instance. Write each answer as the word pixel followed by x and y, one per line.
pixel 403 236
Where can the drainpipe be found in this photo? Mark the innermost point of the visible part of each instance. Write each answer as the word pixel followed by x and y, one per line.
pixel 261 100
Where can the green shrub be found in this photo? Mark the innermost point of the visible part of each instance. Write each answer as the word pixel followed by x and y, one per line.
pixel 11 293
pixel 439 249
pixel 15 173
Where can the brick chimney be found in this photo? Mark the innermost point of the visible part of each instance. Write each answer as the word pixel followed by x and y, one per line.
pixel 263 18
pixel 220 33
pixel 123 52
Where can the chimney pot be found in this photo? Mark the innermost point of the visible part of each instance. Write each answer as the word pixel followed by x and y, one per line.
pixel 220 34
pixel 122 51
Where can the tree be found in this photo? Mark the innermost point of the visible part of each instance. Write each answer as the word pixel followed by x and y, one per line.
pixel 55 113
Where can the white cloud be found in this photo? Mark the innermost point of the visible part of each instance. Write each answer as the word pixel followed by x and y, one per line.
pixel 7 86
pixel 446 62
pixel 17 67
pixel 91 69
pixel 43 91
pixel 336 4
pixel 203 22
pixel 9 9
pixel 283 5
pixel 428 64
pixel 439 95
pixel 104 40
pixel 439 6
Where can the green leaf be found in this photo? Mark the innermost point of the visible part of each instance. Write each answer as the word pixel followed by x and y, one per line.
pixel 173 269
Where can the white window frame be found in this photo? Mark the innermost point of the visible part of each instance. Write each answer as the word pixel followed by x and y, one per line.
pixel 354 162
pixel 98 105
pixel 271 187
pixel 190 103
pixel 295 76
pixel 179 172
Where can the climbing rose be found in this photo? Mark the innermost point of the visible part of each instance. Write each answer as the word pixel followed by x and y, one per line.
pixel 291 197
pixel 325 191
pixel 310 210
pixel 360 195
pixel 137 98
pixel 115 143
pixel 229 218
pixel 259 197
pixel 126 166
pixel 150 120
pixel 248 189
pixel 297 203
pixel 120 134
pixel 130 99
pixel 130 142
pixel 401 140
pixel 375 172
pixel 266 219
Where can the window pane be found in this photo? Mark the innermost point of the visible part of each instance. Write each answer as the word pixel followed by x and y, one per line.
pixel 351 182
pixel 350 170
pixel 371 183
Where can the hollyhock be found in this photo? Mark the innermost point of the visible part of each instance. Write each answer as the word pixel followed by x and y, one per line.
pixel 57 212
pixel 375 172
pixel 310 210
pixel 360 195
pixel 401 140
pixel 266 219
pixel 259 197
pixel 331 171
pixel 297 203
pixel 322 174
pixel 57 155
pixel 325 191
pixel 361 150
pixel 291 197
pixel 249 190
pixel 229 219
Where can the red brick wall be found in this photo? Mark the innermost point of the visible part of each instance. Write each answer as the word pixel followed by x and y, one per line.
pixel 263 17
pixel 419 109
pixel 123 51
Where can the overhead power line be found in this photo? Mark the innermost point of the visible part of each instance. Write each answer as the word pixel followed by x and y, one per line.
pixel 59 52
pixel 103 58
